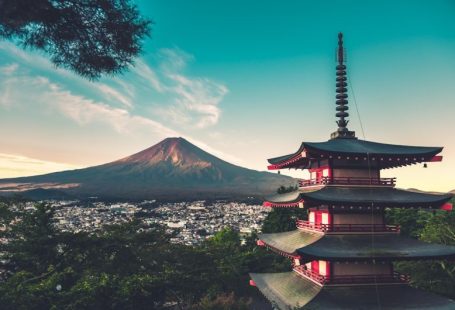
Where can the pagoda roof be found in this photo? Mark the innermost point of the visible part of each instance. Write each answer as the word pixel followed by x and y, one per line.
pixel 348 196
pixel 289 241
pixel 311 245
pixel 288 290
pixel 354 147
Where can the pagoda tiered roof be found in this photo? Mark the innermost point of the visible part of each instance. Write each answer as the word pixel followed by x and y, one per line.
pixel 290 241
pixel 348 196
pixel 344 188
pixel 387 155
pixel 288 290
pixel 353 247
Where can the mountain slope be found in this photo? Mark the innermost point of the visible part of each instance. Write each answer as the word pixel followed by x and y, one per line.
pixel 172 168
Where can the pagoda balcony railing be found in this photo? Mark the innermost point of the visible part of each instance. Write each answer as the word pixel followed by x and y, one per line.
pixel 395 277
pixel 332 228
pixel 348 181
pixel 308 273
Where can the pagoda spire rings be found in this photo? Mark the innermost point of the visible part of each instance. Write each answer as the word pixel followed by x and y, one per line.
pixel 341 94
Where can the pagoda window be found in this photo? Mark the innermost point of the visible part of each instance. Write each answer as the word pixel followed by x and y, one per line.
pixel 319 267
pixel 324 268
pixel 325 218
pixel 320 175
pixel 311 217
pixel 320 217
pixel 296 261
pixel 308 265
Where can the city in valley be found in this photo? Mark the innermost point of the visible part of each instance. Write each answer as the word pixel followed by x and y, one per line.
pixel 189 222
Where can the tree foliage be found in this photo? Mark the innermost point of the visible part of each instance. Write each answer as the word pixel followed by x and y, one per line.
pixel 283 189
pixel 129 266
pixel 223 302
pixel 411 221
pixel 134 266
pixel 434 227
pixel 90 37
pixel 283 219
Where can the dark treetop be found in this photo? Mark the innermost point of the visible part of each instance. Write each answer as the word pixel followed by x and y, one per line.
pixel 89 37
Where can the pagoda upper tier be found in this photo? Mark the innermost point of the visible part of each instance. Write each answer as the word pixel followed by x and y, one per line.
pixel 311 245
pixel 353 151
pixel 347 197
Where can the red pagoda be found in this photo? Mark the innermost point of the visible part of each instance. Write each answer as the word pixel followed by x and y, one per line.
pixel 342 256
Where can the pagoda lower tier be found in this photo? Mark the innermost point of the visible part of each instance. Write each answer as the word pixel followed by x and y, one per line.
pixel 288 290
pixel 345 197
pixel 352 247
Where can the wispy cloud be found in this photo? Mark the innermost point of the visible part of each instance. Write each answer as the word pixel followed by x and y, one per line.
pixel 5 95
pixel 191 101
pixel 110 92
pixel 37 61
pixel 148 74
pixel 174 59
pixel 185 100
pixel 27 57
pixel 200 97
pixel 9 69
pixel 195 100
pixel 86 111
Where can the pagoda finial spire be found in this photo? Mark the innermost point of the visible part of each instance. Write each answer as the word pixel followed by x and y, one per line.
pixel 341 96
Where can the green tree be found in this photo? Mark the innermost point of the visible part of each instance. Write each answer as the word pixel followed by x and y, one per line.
pixel 437 276
pixel 89 37
pixel 440 228
pixel 223 302
pixel 283 219
pixel 127 266
pixel 32 245
pixel 283 189
pixel 411 221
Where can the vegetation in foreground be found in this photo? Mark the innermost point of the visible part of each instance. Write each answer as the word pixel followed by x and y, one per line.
pixel 132 266
pixel 122 267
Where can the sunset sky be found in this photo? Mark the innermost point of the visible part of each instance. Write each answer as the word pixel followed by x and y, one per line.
pixel 246 81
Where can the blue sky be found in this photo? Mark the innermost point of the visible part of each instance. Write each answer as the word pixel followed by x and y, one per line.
pixel 245 80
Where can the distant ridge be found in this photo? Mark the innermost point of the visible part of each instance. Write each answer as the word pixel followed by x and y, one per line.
pixel 429 192
pixel 173 169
